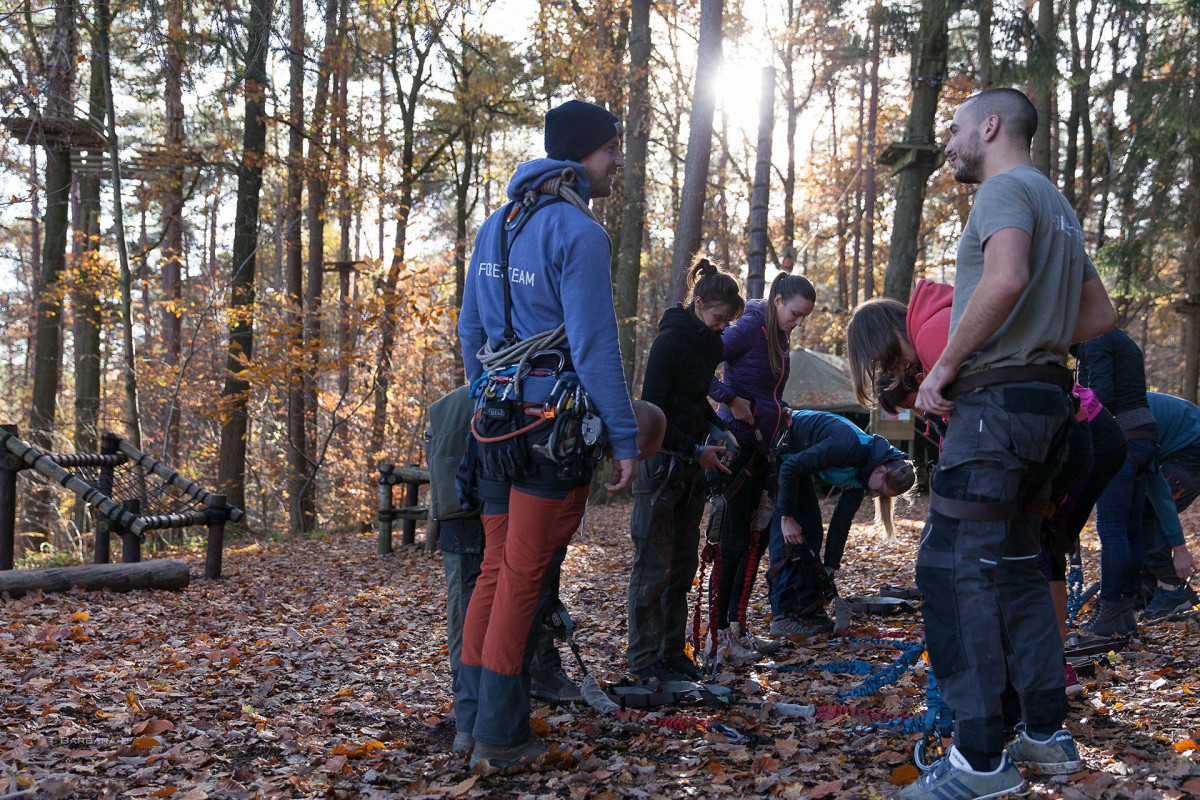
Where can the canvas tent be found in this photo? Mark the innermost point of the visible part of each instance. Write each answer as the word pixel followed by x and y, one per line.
pixel 820 382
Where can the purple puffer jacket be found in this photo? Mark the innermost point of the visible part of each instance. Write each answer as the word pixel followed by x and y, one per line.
pixel 748 374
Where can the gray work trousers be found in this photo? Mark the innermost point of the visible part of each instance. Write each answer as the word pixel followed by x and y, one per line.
pixel 988 611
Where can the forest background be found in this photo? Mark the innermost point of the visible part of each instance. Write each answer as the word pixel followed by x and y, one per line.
pixel 253 267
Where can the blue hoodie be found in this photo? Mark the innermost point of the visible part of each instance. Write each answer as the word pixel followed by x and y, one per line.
pixel 558 271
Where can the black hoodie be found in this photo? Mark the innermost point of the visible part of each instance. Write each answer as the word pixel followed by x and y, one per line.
pixel 679 370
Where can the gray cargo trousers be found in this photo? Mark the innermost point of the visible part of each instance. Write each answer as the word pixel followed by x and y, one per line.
pixel 988 611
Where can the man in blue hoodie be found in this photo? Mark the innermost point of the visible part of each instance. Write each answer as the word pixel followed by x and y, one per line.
pixel 537 297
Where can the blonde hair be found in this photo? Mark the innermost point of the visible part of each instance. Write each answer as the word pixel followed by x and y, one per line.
pixel 900 476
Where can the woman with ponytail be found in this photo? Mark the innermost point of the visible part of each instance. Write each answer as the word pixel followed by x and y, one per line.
pixel 757 364
pixel 670 490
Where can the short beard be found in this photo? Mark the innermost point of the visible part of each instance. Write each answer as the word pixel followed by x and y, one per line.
pixel 967 170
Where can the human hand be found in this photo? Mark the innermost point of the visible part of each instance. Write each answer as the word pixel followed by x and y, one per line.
pixel 740 407
pixel 710 458
pixel 624 470
pixel 1181 557
pixel 791 531
pixel 929 396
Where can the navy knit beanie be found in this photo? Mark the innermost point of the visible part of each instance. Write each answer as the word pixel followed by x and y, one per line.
pixel 576 128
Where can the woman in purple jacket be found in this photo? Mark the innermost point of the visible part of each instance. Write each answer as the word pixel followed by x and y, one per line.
pixel 751 397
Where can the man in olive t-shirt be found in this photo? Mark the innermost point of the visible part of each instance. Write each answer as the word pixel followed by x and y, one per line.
pixel 1025 289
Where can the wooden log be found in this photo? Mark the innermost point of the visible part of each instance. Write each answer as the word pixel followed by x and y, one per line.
pixel 161 573
pixel 8 506
pixel 409 534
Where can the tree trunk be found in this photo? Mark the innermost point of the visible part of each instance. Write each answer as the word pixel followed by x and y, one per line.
pixel 858 190
pixel 842 211
pixel 299 462
pixel 85 296
pixel 48 349
pixel 868 272
pixel 633 223
pixel 985 44
pixel 161 573
pixel 235 394
pixel 756 256
pixel 1041 84
pixel 788 250
pixel 928 72
pixel 691 211
pixel 172 253
pixel 1191 265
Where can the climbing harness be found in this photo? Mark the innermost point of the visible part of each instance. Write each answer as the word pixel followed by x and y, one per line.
pixel 503 420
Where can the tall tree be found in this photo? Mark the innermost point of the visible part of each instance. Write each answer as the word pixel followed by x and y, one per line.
pixel 414 35
pixel 172 253
pixel 869 188
pixel 756 255
pixel 300 507
pixel 695 180
pixel 930 51
pixel 59 111
pixel 1041 85
pixel 633 222
pixel 235 420
pixel 85 298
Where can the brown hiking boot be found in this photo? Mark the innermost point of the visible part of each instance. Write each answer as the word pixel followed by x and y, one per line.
pixel 504 757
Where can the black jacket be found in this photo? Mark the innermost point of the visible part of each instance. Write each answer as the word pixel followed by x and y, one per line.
pixel 1113 367
pixel 679 370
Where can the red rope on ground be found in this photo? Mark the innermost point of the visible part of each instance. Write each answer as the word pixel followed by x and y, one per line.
pixel 678 722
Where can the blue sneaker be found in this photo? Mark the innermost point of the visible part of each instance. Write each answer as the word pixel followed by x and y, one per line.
pixel 1170 601
pixel 951 778
pixel 1058 755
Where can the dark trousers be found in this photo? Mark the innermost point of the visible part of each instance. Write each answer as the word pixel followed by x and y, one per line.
pixel 1119 523
pixel 665 528
pixel 1182 473
pixel 737 567
pixel 988 611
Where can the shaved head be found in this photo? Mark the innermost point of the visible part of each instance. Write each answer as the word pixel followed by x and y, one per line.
pixel 1018 117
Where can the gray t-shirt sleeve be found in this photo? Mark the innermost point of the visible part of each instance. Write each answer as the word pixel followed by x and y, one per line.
pixel 1002 203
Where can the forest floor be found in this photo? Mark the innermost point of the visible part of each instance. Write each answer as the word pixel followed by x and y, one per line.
pixel 316 668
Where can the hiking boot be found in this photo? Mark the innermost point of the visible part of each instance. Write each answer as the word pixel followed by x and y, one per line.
pixel 1109 619
pixel 1058 755
pixel 553 685
pixel 1074 687
pixel 504 757
pixel 685 668
pixel 658 671
pixel 463 742
pixel 1170 601
pixel 761 644
pixel 951 778
pixel 729 649
pixel 793 624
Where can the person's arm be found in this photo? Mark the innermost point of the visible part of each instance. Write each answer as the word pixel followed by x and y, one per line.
pixel 735 342
pixel 1099 368
pixel 1096 313
pixel 471 334
pixel 839 526
pixel 1005 277
pixel 1159 495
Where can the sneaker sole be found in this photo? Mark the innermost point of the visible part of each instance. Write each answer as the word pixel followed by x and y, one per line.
pixel 1051 768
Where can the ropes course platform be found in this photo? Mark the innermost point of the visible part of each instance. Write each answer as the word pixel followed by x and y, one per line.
pixel 131 492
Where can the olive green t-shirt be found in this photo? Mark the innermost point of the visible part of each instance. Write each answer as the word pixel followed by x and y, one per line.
pixel 1038 331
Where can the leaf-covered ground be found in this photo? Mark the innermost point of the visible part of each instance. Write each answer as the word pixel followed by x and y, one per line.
pixel 318 668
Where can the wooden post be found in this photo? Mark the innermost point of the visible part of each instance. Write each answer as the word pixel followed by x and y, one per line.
pixel 385 509
pixel 218 513
pixel 8 505
pixel 131 543
pixel 411 488
pixel 109 444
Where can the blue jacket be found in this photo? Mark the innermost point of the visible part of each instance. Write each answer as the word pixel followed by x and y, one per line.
pixel 1178 423
pixel 558 271
pixel 833 447
pixel 748 375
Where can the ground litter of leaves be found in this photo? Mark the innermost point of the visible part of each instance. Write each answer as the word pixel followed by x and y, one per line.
pixel 317 668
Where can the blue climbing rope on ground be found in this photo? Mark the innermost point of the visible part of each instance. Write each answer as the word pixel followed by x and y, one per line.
pixel 888 674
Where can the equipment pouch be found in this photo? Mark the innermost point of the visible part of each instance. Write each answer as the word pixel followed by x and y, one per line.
pixel 502 455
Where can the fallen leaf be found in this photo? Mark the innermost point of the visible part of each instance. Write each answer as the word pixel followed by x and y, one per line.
pixel 904 775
